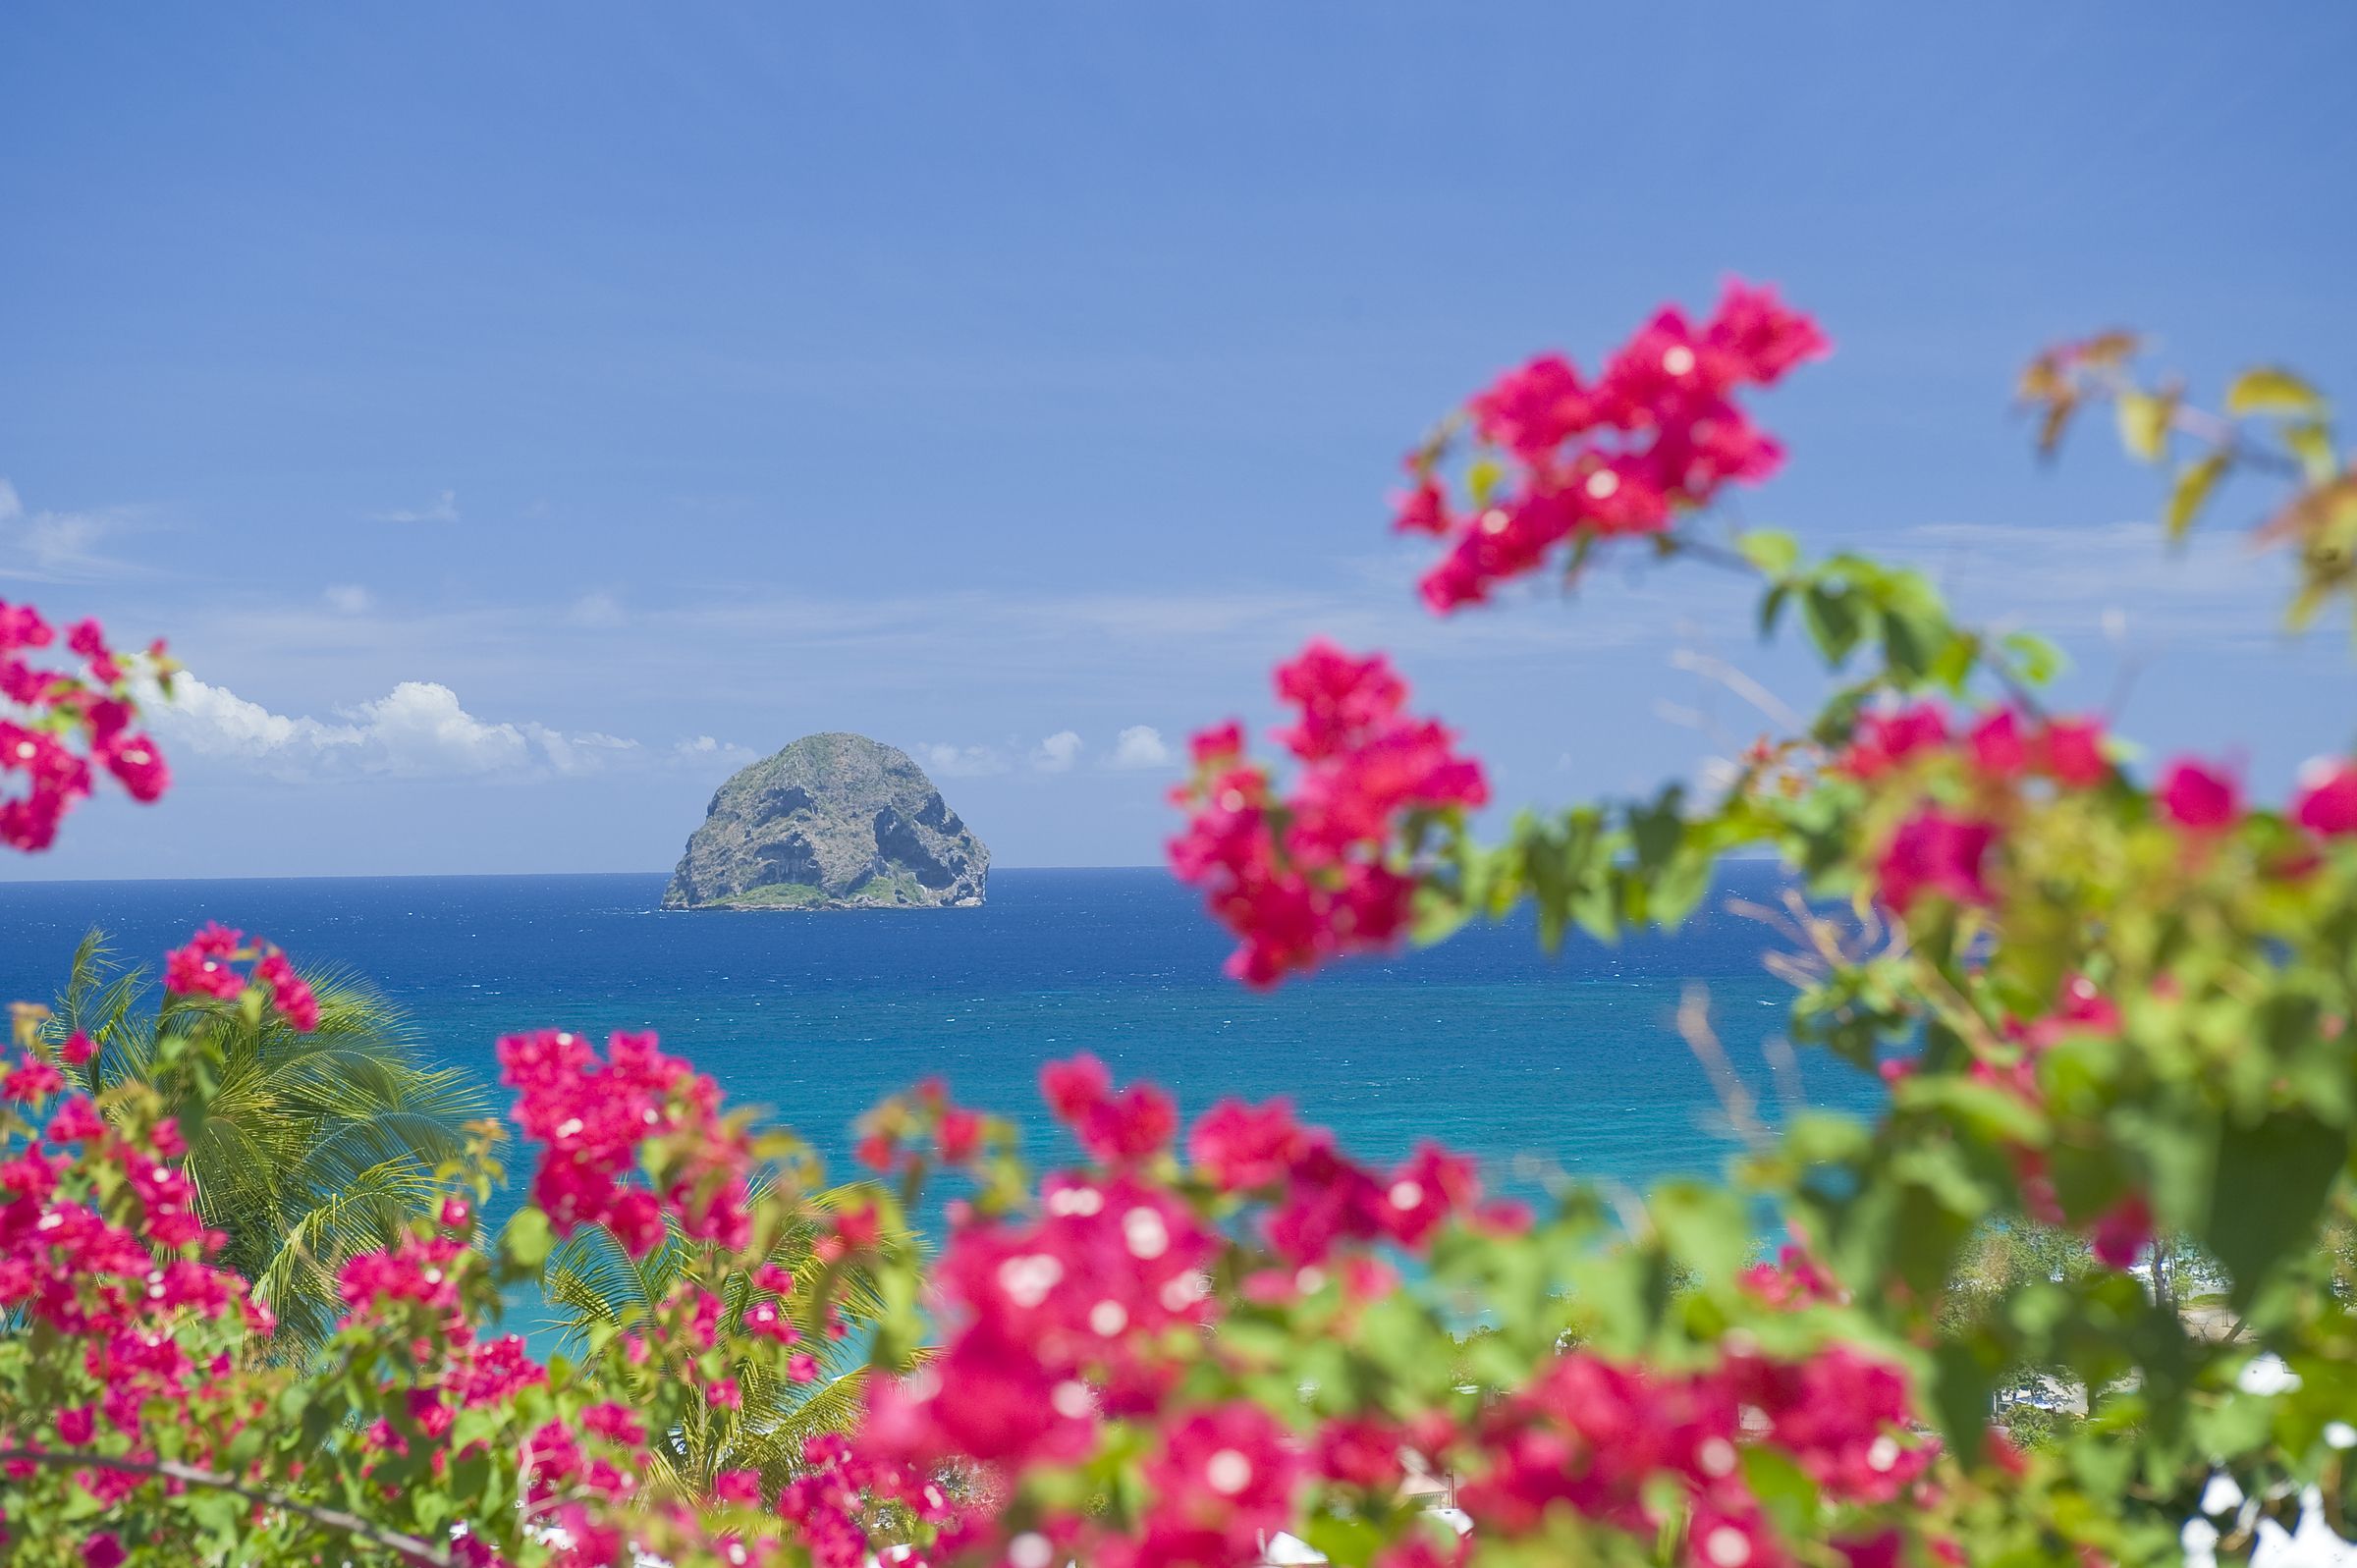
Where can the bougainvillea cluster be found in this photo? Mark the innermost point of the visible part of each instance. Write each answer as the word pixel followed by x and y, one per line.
pixel 1103 1312
pixel 1317 872
pixel 595 1114
pixel 104 1264
pixel 62 727
pixel 1112 1315
pixel 207 965
pixel 1562 460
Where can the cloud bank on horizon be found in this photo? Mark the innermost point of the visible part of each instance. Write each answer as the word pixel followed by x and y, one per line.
pixel 420 729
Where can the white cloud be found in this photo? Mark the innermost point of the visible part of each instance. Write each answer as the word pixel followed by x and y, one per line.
pixel 597 610
pixel 443 510
pixel 349 599
pixel 1139 747
pixel 585 752
pixel 959 762
pixel 1057 752
pixel 419 730
pixel 55 546
pixel 708 752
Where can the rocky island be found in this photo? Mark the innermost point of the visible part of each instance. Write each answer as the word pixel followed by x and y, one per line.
pixel 832 821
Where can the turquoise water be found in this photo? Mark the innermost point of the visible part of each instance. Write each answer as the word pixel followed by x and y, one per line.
pixel 1483 1043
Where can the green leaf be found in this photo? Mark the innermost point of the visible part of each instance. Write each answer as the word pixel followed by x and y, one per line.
pixel 1658 829
pixel 1774 551
pixel 2036 660
pixel 2270 389
pixel 2192 489
pixel 1438 915
pixel 1783 1490
pixel 1348 1542
pixel 2144 424
pixel 1963 1381
pixel 1833 617
pixel 1706 1226
pixel 1912 639
pixel 218 1513
pixel 1680 886
pixel 2269 1193
pixel 527 1239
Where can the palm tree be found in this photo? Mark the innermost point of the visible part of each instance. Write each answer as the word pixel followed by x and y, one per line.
pixel 597 1289
pixel 311 1147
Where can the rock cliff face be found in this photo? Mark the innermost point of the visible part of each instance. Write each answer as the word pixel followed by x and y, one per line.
pixel 833 822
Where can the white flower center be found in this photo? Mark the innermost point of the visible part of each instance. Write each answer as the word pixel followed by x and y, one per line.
pixel 1149 1237
pixel 1028 1279
pixel 1727 1546
pixel 1229 1472
pixel 1085 1201
pixel 1184 1292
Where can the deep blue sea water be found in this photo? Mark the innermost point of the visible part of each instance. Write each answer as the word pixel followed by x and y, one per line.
pixel 1482 1042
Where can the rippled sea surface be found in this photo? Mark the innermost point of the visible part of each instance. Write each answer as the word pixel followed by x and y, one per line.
pixel 1483 1043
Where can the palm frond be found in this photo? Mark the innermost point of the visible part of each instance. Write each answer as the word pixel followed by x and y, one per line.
pixel 311 1145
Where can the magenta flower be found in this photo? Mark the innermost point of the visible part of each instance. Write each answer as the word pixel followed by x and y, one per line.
pixel 2200 799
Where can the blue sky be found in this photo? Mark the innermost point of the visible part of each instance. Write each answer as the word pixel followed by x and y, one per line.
pixel 518 416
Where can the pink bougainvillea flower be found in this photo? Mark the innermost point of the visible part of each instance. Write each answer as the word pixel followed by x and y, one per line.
pixel 1308 877
pixel 2071 752
pixel 206 965
pixel 33 1080
pixel 593 1113
pixel 1425 1192
pixel 1940 853
pixel 1240 1147
pixel 1885 740
pixel 1531 410
pixel 958 1135
pixel 290 994
pixel 2122 1232
pixel 68 725
pixel 2326 803
pixel 2200 799
pixel 1655 435
pixel 1999 750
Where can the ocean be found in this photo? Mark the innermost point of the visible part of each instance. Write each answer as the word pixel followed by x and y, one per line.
pixel 1483 1043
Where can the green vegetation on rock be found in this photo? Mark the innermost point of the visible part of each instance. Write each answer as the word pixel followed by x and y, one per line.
pixel 781 896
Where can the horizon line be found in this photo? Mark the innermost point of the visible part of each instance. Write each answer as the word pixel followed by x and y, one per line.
pixel 445 876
